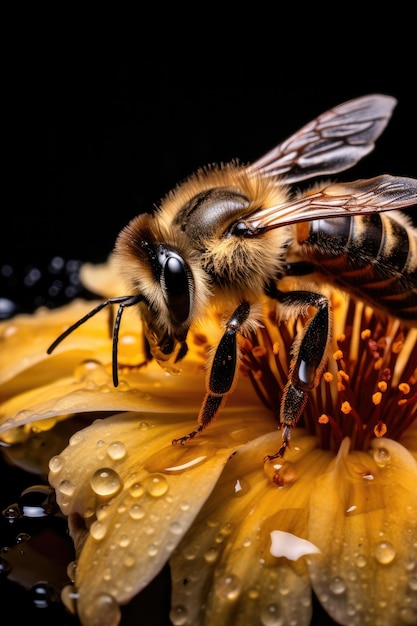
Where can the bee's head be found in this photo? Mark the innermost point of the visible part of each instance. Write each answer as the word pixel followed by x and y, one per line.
pixel 158 265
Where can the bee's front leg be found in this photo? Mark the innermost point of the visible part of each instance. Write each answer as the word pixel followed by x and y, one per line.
pixel 222 373
pixel 309 359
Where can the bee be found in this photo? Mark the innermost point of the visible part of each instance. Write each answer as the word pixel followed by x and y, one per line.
pixel 230 234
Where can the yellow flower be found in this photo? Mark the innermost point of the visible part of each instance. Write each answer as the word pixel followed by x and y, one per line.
pixel 247 542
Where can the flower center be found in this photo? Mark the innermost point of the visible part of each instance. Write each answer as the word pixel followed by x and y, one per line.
pixel 370 386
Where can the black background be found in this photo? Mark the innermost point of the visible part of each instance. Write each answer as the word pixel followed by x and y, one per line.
pixel 97 129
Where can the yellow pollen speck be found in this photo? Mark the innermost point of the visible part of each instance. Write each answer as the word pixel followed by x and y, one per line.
pixel 342 375
pixel 328 377
pixel 382 385
pixel 275 347
pixel 378 363
pixel 323 419
pixel 377 397
pixel 341 338
pixel 365 334
pixel 404 387
pixel 380 429
pixel 346 407
pixel 340 387
pixel 401 402
pixel 397 347
pixel 338 355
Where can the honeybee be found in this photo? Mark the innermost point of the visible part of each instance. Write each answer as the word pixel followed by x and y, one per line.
pixel 228 236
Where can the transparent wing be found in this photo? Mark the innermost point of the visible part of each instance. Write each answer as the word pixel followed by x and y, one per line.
pixel 331 143
pixel 382 193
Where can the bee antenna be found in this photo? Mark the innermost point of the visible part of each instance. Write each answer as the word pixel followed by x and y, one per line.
pixel 76 325
pixel 123 302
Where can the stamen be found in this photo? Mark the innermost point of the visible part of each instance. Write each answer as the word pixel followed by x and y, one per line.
pixel 380 429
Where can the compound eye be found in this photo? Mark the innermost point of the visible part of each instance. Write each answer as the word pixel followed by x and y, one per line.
pixel 176 282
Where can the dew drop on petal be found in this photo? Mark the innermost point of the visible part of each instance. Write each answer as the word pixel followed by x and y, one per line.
pixel 103 611
pixel 408 616
pixel 228 586
pixel 382 457
pixel 136 490
pixel 384 552
pixel 136 511
pixel 105 482
pixel 71 569
pixel 271 616
pixel 175 528
pixel 116 450
pixel 69 596
pixel 156 485
pixel 241 487
pixel 66 487
pixel 152 550
pixel 211 555
pixel 337 585
pixel 76 438
pixel 178 615
pixel 360 560
pixel 98 530
pixel 56 464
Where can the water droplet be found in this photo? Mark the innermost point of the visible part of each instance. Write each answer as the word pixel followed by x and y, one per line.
pixel 38 501
pixel 129 560
pixel 98 530
pixel 103 609
pixel 156 485
pixel 69 598
pixel 105 482
pixel 12 512
pixel 175 528
pixel 152 550
pixel 136 511
pixel 412 583
pixel 116 450
pixel 271 615
pixel 136 490
pixel 56 464
pixel 5 567
pixel 241 487
pixel 76 438
pixel 66 487
pixel 71 569
pixel 178 459
pixel 384 552
pixel 22 537
pixel 91 371
pixel 178 615
pixel 360 560
pixel 337 585
pixel 408 616
pixel 229 586
pixel 382 457
pixel 211 555
pixel 124 541
pixel 43 595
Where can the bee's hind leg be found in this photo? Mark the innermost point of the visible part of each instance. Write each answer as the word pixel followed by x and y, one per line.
pixel 222 373
pixel 309 359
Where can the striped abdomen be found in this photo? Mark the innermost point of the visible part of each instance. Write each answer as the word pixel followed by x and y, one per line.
pixel 373 256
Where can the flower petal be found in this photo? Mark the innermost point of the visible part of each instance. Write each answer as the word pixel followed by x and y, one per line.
pixel 224 571
pixel 130 497
pixel 363 517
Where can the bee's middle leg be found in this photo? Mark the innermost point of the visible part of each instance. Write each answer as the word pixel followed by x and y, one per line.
pixel 223 372
pixel 309 359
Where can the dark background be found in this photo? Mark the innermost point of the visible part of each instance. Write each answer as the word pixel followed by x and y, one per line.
pixel 96 132
pixel 96 138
